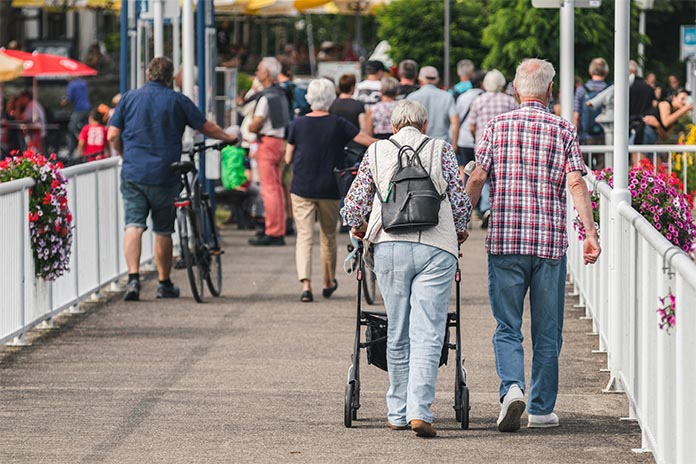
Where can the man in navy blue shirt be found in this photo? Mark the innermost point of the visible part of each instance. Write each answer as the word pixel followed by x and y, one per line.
pixel 77 95
pixel 146 130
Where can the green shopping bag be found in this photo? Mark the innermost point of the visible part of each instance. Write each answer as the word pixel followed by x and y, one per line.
pixel 233 174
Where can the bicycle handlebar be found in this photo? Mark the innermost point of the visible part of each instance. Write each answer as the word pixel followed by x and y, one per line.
pixel 200 147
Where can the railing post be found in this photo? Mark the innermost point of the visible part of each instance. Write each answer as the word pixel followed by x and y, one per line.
pixel 685 334
pixel 620 193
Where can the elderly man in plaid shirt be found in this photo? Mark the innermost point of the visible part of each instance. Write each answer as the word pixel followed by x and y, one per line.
pixel 530 155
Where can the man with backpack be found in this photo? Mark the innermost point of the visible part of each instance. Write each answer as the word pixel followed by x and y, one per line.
pixel 589 131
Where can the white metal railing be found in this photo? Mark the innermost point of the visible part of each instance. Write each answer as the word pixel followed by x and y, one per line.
pixel 655 369
pixel 96 259
pixel 653 150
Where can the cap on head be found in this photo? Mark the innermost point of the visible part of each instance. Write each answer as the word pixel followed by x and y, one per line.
pixel 429 73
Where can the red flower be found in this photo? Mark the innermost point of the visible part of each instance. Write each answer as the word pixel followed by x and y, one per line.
pixel 47 199
pixel 33 217
pixel 65 232
pixel 68 218
pixel 52 157
pixel 57 227
pixel 55 184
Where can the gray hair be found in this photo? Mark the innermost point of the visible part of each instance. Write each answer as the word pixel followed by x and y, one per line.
pixel 272 65
pixel 494 81
pixel 598 67
pixel 390 87
pixel 465 68
pixel 320 94
pixel 533 77
pixel 409 113
pixel 633 68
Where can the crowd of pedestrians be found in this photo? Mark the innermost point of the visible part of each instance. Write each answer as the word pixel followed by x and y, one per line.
pixel 371 125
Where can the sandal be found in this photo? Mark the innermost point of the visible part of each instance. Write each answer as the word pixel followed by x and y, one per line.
pixel 327 292
pixel 307 296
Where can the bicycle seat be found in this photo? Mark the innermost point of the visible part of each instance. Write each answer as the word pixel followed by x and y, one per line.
pixel 182 166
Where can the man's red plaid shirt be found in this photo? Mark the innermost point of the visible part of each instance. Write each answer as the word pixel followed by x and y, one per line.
pixel 527 154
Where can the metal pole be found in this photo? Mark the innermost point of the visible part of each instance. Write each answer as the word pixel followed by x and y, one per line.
pixel 446 65
pixel 176 42
pixel 187 48
pixel 123 59
pixel 159 28
pixel 200 54
pixel 567 79
pixel 310 46
pixel 641 45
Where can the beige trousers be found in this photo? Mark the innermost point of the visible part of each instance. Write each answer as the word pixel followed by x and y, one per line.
pixel 304 210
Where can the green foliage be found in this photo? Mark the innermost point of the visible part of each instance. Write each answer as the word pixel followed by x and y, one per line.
pixel 415 29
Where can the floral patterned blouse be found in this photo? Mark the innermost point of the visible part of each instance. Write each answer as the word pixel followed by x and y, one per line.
pixel 381 117
pixel 358 201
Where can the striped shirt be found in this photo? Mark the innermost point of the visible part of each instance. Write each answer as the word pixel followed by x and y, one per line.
pixel 527 154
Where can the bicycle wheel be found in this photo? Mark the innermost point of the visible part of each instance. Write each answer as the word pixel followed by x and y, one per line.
pixel 189 249
pixel 369 287
pixel 212 252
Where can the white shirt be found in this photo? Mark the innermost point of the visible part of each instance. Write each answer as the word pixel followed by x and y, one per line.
pixel 368 92
pixel 267 128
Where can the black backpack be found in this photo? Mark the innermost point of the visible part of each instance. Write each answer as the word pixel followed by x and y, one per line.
pixel 411 203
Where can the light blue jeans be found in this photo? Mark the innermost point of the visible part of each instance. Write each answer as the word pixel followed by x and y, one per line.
pixel 509 278
pixel 415 281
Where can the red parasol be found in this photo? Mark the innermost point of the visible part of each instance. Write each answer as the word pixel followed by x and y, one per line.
pixel 43 65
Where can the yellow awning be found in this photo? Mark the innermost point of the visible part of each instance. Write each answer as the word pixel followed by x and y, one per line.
pixel 68 4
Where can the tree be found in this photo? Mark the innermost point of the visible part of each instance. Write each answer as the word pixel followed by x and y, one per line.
pixel 517 31
pixel 415 30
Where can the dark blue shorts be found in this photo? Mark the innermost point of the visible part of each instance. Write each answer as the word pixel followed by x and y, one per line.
pixel 139 200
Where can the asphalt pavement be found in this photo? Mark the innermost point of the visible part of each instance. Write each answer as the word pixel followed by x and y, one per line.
pixel 256 376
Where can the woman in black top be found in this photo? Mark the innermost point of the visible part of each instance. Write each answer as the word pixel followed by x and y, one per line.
pixel 315 148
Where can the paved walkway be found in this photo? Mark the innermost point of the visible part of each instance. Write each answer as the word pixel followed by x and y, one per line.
pixel 257 376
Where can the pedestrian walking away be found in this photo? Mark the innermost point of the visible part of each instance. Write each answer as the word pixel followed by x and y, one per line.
pixel 527 239
pixel 77 95
pixel 443 121
pixel 414 269
pixel 270 121
pixel 146 130
pixel 315 147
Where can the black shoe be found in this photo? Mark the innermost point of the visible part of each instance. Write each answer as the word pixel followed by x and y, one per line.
pixel 327 292
pixel 167 291
pixel 132 291
pixel 260 232
pixel 267 240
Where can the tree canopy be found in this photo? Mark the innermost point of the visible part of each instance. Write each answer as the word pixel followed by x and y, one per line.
pixel 496 33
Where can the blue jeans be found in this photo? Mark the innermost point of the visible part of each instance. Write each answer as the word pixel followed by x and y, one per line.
pixel 509 278
pixel 415 281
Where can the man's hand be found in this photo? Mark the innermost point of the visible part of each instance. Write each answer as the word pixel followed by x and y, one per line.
pixel 591 248
pixel 462 236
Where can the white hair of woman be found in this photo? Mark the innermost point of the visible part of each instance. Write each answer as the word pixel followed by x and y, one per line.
pixel 533 78
pixel 494 81
pixel 272 65
pixel 409 113
pixel 320 94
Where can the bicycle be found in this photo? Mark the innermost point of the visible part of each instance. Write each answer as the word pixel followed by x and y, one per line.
pixel 198 236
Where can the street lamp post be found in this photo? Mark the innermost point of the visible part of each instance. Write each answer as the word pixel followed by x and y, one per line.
pixel 643 5
pixel 446 71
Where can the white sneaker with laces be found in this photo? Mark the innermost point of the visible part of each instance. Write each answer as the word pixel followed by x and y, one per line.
pixel 546 421
pixel 511 410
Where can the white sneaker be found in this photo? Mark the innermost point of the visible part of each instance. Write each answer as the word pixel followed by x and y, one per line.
pixel 546 421
pixel 511 410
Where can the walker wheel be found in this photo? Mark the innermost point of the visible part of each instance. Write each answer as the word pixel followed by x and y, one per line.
pixel 348 412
